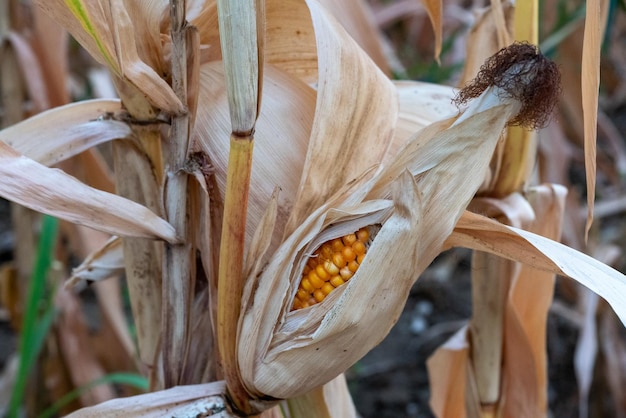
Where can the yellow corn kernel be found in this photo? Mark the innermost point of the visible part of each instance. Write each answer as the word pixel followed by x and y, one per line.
pixel 330 266
pixel 353 266
pixel 348 240
pixel 315 281
pixel 359 248
pixel 326 251
pixel 338 260
pixel 327 288
pixel 306 285
pixel 348 254
pixel 336 245
pixel 321 272
pixel 336 281
pixel 345 273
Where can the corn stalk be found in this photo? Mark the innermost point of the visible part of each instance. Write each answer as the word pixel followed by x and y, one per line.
pixel 491 275
pixel 241 37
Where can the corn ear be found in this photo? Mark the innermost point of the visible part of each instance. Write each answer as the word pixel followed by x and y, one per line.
pixel 342 328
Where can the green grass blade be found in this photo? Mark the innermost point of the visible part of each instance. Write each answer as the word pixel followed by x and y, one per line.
pixel 30 342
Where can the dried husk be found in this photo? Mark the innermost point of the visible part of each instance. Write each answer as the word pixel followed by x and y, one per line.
pixel 101 264
pixel 189 400
pixel 53 192
pixel 480 233
pixel 341 329
pixel 65 131
pixel 123 39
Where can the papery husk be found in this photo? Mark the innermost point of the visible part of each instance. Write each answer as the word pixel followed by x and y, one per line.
pixel 480 233
pixel 101 264
pixel 65 131
pixel 286 119
pixel 181 401
pixel 332 400
pixel 415 222
pixel 121 41
pixel 352 127
pixel 51 191
pixel 420 104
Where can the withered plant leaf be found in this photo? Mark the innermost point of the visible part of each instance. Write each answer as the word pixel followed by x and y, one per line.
pixel 101 264
pixel 109 33
pixel 356 17
pixel 65 131
pixel 434 10
pixel 595 23
pixel 56 193
pixel 352 126
pixel 286 118
pixel 74 343
pixel 50 43
pixel 30 68
pixel 480 233
pixel 291 42
pixel 448 372
pixel 181 401
pixel 328 401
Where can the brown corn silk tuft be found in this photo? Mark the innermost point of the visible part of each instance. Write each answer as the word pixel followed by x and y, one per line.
pixel 536 83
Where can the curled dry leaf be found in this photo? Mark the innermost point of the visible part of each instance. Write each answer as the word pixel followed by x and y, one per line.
pixel 182 401
pixel 105 262
pixel 65 131
pixel 480 233
pixel 56 193
pixel 123 39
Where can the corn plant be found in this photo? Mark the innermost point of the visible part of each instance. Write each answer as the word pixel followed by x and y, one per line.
pixel 277 195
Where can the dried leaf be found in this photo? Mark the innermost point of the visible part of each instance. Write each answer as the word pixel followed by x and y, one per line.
pixel 356 17
pixel 51 191
pixel 114 37
pixel 105 262
pixel 352 127
pixel 331 400
pixel 74 343
pixel 30 68
pixel 184 401
pixel 595 23
pixel 65 131
pixel 434 10
pixel 447 369
pixel 286 118
pixel 480 233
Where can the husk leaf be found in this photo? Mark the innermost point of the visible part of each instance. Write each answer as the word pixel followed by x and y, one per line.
pixel 65 131
pixel 480 233
pixel 342 328
pixel 51 191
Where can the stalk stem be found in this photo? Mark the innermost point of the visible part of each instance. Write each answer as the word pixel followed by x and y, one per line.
pixel 178 278
pixel 230 280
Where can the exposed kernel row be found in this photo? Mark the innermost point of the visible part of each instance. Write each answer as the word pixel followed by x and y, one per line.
pixel 330 266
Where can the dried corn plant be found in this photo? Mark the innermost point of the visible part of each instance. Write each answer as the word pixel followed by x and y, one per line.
pixel 277 195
